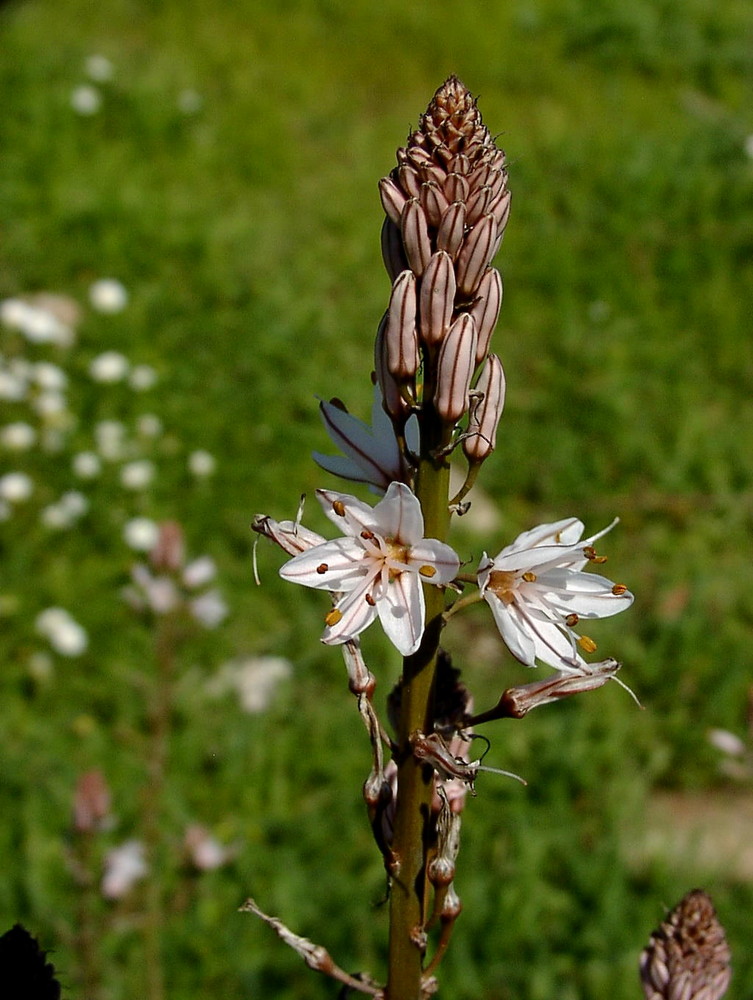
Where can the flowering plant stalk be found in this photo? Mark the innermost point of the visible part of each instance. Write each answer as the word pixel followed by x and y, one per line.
pixel 438 392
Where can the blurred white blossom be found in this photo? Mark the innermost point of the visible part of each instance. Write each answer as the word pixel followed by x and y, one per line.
pixel 111 366
pixel 124 867
pixel 199 572
pixel 110 438
pixel 63 633
pixel 205 851
pixel 15 487
pixel 19 436
pixel 108 295
pixel 37 324
pixel 98 68
pixel 141 534
pixel 71 506
pixel 201 463
pixel 138 474
pixel 85 99
pixel 49 376
pixel 142 377
pixel 190 101
pixel 149 425
pixel 209 609
pixel 86 464
pixel 254 680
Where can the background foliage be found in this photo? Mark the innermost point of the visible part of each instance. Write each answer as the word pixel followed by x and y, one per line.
pixel 245 226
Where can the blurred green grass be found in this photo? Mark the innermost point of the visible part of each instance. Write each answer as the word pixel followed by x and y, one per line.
pixel 247 235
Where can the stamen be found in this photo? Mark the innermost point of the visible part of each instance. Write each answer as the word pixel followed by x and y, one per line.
pixel 370 601
pixel 529 577
pixel 590 553
pixel 429 571
pixel 587 644
pixel 333 617
pixel 322 568
pixel 366 534
pixel 572 620
pixel 619 589
pixel 339 508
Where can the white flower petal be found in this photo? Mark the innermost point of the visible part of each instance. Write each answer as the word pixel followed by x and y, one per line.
pixel 356 614
pixel 356 516
pixel 435 554
pixel 402 612
pixel 337 566
pixel 399 515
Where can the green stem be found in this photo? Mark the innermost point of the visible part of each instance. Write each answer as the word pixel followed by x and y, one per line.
pixel 415 786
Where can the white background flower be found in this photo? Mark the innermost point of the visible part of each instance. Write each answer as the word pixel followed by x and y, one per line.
pixel 377 568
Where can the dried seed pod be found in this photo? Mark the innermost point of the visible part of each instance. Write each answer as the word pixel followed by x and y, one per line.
pixel 393 254
pixel 415 233
pixel 476 255
pixel 485 310
pixel 455 366
pixel 481 438
pixel 436 298
pixel 400 335
pixel 452 229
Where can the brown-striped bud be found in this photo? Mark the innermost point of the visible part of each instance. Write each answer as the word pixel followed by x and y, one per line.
pixel 401 336
pixel 392 399
pixel 456 188
pixel 409 181
pixel 476 255
pixel 415 232
pixel 452 229
pixel 455 366
pixel 434 202
pixel 437 298
pixel 480 440
pixel 393 199
pixel 500 209
pixel 485 310
pixel 393 254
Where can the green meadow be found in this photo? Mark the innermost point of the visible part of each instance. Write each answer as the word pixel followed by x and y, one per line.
pixel 222 164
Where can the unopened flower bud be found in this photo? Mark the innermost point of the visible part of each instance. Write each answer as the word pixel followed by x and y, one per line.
pixel 451 229
pixel 400 335
pixel 392 399
pixel 393 254
pixel 91 803
pixel 415 233
pixel 476 255
pixel 485 310
pixel 168 555
pixel 480 440
pixel 393 199
pixel 437 298
pixel 455 366
pixel 434 202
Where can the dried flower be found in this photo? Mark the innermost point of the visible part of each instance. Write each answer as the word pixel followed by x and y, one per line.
pixel 538 593
pixel 687 957
pixel 376 568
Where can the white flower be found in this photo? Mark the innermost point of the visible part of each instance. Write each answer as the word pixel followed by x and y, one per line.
pixel 199 571
pixel 538 593
pixel 110 435
pixel 87 464
pixel 111 366
pixel 149 425
pixel 70 507
pixel 124 866
pixel 201 463
pixel 49 404
pixel 255 680
pixel 15 487
pixel 62 632
pixel 141 534
pixel 98 68
pixel 370 454
pixel 377 568
pixel 142 377
pixel 18 437
pixel 209 609
pixel 86 100
pixel 108 295
pixel 37 324
pixel 137 475
pixel 49 376
pixel 12 386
